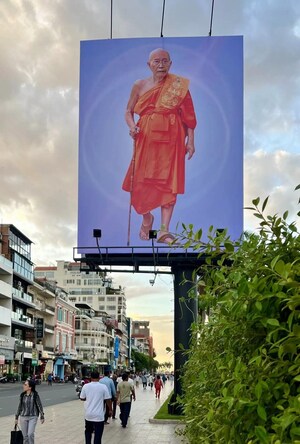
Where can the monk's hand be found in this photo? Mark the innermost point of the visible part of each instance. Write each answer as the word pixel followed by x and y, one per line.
pixel 190 150
pixel 134 131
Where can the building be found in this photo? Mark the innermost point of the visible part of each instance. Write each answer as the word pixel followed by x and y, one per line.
pixel 97 291
pixel 54 318
pixel 141 338
pixel 7 342
pixel 16 248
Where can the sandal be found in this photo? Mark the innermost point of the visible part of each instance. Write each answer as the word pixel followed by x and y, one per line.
pixel 144 231
pixel 166 238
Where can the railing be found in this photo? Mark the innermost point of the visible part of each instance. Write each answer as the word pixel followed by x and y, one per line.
pixel 48 307
pixel 49 327
pixel 24 344
pixel 22 295
pixel 21 317
pixel 6 262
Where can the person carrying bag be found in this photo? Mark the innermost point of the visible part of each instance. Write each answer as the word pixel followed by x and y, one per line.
pixel 29 409
pixel 16 436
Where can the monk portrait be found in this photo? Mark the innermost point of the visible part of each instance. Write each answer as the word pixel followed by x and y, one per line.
pixel 163 138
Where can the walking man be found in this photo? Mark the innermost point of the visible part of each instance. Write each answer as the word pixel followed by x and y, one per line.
pixel 125 391
pixel 96 396
pixel 108 382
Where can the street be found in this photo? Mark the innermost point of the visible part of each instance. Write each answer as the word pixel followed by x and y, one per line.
pixel 50 395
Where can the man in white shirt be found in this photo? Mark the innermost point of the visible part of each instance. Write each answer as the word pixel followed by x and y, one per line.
pixel 95 396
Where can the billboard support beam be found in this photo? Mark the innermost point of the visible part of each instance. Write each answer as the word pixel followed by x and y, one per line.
pixel 185 314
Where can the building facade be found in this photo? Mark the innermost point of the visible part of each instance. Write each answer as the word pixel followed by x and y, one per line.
pixel 97 292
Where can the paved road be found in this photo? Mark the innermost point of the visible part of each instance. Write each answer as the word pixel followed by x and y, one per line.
pixel 50 395
pixel 64 424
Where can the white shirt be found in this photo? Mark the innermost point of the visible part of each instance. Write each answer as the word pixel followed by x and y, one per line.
pixel 94 395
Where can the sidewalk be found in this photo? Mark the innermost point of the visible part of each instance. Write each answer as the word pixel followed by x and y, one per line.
pixel 64 423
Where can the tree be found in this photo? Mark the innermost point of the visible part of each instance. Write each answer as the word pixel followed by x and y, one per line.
pixel 242 379
pixel 143 362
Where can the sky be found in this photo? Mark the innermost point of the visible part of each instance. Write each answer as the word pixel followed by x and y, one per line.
pixel 39 71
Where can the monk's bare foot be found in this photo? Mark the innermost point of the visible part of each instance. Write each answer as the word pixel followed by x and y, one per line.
pixel 146 226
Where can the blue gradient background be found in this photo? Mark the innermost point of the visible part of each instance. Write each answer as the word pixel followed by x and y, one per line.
pixel 214 176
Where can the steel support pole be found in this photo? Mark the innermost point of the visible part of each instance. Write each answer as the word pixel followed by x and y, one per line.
pixel 185 313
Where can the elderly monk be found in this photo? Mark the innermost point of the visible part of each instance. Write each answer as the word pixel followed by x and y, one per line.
pixel 163 135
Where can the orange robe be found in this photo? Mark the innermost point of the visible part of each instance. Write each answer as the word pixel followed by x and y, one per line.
pixel 156 173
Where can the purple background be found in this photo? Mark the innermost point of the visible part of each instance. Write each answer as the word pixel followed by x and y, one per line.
pixel 214 176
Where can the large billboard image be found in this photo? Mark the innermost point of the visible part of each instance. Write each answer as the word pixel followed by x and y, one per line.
pixel 160 138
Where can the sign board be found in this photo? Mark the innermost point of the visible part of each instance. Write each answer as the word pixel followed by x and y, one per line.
pixel 39 328
pixel 211 182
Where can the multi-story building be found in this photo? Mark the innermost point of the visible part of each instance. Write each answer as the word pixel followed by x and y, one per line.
pixel 7 342
pixel 54 318
pixel 95 290
pixel 141 337
pixel 16 247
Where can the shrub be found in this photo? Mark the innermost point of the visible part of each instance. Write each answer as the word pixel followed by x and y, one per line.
pixel 241 381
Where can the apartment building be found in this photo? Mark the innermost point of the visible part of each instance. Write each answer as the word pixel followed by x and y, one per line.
pixel 16 248
pixel 97 292
pixel 54 316
pixel 141 337
pixel 7 342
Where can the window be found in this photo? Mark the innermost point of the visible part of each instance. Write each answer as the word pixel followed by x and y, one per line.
pixel 101 299
pixel 111 299
pixel 111 307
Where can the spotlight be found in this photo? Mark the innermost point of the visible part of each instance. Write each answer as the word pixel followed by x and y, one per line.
pixel 97 233
pixel 152 234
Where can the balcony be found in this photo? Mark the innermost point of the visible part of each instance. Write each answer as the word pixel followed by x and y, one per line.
pixel 25 320
pixel 5 290
pixel 5 265
pixel 21 344
pixel 21 296
pixel 5 319
pixel 49 328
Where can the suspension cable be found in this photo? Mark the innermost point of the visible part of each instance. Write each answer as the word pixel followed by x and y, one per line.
pixel 162 19
pixel 211 17
pixel 111 18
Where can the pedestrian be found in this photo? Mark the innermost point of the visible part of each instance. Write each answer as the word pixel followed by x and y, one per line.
pixel 125 393
pixel 158 385
pixel 151 379
pixel 95 396
pixel 144 381
pixel 114 403
pixel 106 380
pixel 29 409
pixel 50 379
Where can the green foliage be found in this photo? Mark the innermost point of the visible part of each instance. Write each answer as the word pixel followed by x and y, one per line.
pixel 242 379
pixel 143 362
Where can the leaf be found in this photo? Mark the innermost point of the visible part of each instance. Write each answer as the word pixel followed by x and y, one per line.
pixel 265 203
pixel 258 215
pixel 229 246
pixel 256 201
pixel 274 261
pixel 297 187
pixel 285 215
pixel 273 322
pixel 261 411
pixel 261 434
pixel 258 305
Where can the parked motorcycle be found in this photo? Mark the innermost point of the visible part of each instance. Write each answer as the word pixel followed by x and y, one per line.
pixel 3 379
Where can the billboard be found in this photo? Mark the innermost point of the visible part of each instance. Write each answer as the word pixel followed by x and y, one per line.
pixel 142 102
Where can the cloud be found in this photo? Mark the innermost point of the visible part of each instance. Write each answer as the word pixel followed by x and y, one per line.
pixel 39 46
